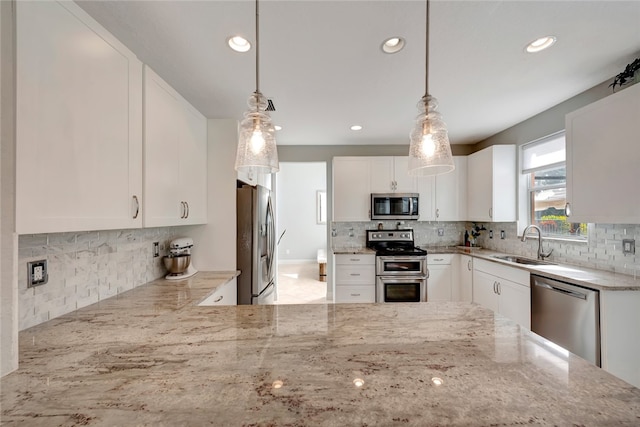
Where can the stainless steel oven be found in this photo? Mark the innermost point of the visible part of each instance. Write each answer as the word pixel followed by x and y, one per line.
pixel 401 268
pixel 401 288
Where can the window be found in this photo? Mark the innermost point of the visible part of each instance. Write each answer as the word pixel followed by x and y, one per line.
pixel 544 170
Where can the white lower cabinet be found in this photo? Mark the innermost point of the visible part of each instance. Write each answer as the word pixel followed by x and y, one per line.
pixel 503 289
pixel 463 284
pixel 355 278
pixel 440 279
pixel 226 294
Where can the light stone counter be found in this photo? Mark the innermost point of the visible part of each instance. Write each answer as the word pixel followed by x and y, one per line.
pixel 152 357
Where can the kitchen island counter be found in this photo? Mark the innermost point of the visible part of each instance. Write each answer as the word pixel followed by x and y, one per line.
pixel 152 356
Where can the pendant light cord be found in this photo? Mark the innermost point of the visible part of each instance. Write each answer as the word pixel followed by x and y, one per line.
pixel 426 65
pixel 257 49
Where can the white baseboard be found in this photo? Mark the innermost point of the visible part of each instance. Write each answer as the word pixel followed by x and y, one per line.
pixel 297 261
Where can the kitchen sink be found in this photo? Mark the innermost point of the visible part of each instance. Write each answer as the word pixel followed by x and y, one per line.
pixel 521 260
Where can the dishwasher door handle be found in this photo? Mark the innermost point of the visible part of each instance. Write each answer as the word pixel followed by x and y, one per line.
pixel 568 292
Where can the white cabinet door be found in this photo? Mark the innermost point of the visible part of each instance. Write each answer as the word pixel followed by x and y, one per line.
pixel 484 290
pixel 175 157
pixel 491 184
pixel 602 159
pixel 78 123
pixel 451 192
pixel 193 165
pixel 381 174
pixel 427 201
pixel 351 189
pixel 403 182
pixel 439 283
pixel 226 294
pixel 515 302
pixel 463 289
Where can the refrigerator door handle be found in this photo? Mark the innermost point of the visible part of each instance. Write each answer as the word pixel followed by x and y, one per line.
pixel 271 241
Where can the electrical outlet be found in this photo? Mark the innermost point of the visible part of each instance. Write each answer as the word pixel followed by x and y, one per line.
pixel 502 234
pixel 156 249
pixel 628 246
pixel 440 232
pixel 37 273
pixel 491 234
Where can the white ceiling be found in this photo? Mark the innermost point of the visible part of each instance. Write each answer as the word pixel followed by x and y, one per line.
pixel 322 65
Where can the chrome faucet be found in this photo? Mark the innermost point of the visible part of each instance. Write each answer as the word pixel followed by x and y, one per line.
pixel 541 255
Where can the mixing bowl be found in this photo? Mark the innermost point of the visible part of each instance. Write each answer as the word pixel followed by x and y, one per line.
pixel 177 264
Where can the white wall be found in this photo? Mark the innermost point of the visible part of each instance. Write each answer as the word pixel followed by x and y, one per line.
pixel 296 189
pixel 214 244
pixel 8 239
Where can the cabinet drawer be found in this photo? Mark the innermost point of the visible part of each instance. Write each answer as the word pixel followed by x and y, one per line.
pixel 513 274
pixel 346 294
pixel 356 274
pixel 437 259
pixel 355 259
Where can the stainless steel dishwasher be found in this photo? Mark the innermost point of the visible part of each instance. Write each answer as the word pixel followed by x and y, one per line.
pixel 568 315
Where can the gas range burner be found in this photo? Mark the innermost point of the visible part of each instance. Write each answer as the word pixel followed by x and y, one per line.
pixel 393 242
pixel 400 251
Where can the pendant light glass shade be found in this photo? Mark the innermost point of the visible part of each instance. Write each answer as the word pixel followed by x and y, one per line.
pixel 429 148
pixel 257 151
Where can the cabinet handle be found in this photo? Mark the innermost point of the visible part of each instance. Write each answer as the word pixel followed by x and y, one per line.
pixel 469 265
pixel 355 295
pixel 498 288
pixel 494 287
pixel 354 259
pixel 187 204
pixel 184 210
pixel 428 273
pixel 490 212
pixel 135 199
pixel 437 213
pixel 438 259
pixel 567 209
pixel 355 274
pixel 219 298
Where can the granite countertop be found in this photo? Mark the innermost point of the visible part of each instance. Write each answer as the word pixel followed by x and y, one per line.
pixel 152 356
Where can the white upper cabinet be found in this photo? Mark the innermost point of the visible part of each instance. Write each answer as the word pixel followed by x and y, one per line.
pixel 78 123
pixel 351 188
pixel 602 159
pixel 391 175
pixel 175 157
pixel 444 197
pixel 491 184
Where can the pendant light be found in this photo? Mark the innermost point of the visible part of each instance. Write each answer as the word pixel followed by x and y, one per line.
pixel 429 148
pixel 257 151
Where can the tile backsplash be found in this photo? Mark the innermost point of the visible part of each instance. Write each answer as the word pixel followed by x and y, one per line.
pixel 86 267
pixel 602 251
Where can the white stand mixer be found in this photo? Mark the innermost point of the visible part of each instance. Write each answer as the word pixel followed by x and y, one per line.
pixel 178 262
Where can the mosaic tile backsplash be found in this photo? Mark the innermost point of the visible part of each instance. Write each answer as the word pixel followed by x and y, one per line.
pixel 603 251
pixel 86 267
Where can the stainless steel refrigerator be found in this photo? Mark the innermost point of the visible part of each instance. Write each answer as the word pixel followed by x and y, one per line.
pixel 256 245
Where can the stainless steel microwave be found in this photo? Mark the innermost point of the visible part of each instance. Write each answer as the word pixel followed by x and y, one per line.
pixel 401 206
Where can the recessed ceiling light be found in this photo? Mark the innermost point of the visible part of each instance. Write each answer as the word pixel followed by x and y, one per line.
pixel 239 44
pixel 540 44
pixel 277 127
pixel 393 45
pixel 356 127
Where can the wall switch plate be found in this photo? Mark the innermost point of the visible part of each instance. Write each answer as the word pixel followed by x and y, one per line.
pixel 628 246
pixel 37 273
pixel 440 232
pixel 156 249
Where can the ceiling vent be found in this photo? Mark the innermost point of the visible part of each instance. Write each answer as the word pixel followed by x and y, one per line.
pixel 270 106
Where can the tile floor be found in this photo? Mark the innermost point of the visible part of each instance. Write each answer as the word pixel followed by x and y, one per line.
pixel 299 284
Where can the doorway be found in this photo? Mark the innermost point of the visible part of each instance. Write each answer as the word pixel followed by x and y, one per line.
pixel 301 227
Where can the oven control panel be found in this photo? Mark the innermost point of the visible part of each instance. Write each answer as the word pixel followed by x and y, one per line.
pixel 390 236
